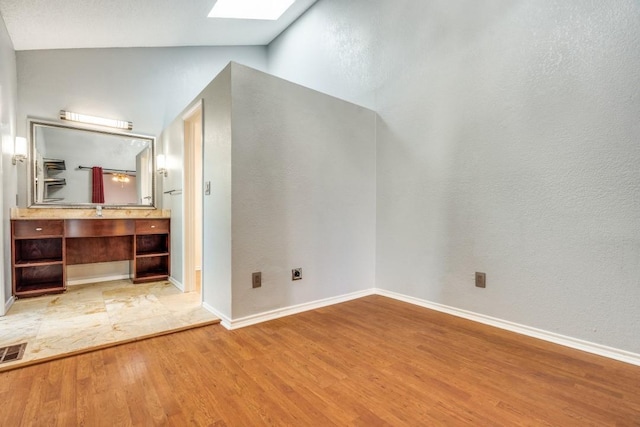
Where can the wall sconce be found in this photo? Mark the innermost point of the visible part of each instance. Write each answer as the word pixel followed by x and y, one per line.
pixel 19 150
pixel 162 165
pixel 93 120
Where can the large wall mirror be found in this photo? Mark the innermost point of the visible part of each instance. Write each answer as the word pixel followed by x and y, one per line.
pixel 73 166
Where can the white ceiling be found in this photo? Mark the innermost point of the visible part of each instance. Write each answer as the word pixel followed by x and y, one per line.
pixel 66 24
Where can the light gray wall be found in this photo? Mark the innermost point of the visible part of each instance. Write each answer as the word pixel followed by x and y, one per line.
pixel 172 142
pixel 330 49
pixel 507 143
pixel 148 86
pixel 8 172
pixel 303 193
pixel 216 169
pixel 292 175
pixel 216 253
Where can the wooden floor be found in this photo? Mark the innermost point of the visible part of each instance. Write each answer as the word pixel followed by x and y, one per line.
pixel 369 362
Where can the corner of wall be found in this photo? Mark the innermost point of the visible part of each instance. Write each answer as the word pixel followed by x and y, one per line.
pixel 8 182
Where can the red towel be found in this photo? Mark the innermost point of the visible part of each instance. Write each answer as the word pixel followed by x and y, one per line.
pixel 97 194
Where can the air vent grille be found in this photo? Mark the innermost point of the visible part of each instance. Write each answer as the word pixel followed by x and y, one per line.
pixel 12 352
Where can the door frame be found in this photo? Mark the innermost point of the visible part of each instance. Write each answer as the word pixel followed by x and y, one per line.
pixel 192 191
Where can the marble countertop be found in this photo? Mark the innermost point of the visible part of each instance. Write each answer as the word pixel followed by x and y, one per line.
pixel 72 213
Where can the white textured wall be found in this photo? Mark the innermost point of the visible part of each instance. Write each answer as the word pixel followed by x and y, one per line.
pixel 303 193
pixel 507 143
pixel 329 48
pixel 8 172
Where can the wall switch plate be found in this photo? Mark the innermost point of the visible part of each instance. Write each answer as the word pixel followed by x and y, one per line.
pixel 256 280
pixel 296 274
pixel 207 188
pixel 481 280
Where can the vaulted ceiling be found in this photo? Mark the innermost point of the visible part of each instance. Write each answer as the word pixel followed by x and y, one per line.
pixel 68 24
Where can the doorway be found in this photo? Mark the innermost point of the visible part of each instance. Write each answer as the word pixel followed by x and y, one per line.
pixel 193 199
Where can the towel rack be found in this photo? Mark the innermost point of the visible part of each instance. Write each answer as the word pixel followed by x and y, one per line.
pixel 108 170
pixel 173 192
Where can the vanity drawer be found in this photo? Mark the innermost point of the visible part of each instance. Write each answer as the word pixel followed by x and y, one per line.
pixel 27 229
pixel 152 226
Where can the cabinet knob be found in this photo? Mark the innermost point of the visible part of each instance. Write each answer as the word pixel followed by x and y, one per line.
pixel 39 229
pixel 153 226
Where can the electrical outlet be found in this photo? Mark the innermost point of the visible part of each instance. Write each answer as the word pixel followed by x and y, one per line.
pixel 296 274
pixel 256 279
pixel 481 280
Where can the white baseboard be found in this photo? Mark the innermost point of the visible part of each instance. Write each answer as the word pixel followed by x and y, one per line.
pixel 589 347
pixel 578 344
pixel 224 320
pixel 8 304
pixel 177 284
pixel 98 279
pixel 287 311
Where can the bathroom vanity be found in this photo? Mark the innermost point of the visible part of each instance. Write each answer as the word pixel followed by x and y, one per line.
pixel 63 225
pixel 42 248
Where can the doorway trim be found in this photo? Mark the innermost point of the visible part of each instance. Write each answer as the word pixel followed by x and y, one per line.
pixel 193 130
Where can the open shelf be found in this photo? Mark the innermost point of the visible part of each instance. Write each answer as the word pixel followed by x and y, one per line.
pixel 152 244
pixel 150 276
pixel 38 251
pixel 152 250
pixel 37 257
pixel 151 267
pixel 40 262
pixel 151 254
pixel 39 279
pixel 39 289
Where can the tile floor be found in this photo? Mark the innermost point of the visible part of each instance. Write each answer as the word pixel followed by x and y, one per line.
pixel 95 315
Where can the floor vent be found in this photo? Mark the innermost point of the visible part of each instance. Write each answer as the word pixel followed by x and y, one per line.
pixel 12 353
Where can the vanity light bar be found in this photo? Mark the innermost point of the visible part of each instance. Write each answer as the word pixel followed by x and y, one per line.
pixel 93 120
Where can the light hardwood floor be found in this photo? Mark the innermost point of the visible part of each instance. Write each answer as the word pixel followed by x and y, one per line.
pixel 372 361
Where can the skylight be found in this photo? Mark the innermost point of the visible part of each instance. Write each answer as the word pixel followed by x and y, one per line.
pixel 269 10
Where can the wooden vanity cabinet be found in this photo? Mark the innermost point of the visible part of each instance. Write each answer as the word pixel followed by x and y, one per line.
pixel 38 257
pixel 41 250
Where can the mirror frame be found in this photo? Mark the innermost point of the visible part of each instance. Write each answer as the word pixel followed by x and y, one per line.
pixel 32 123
